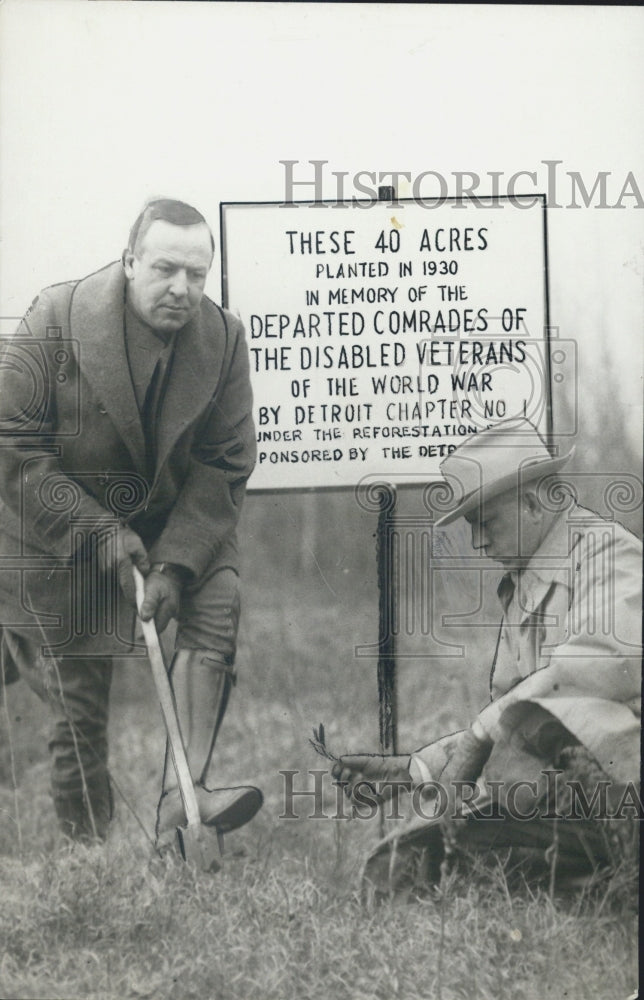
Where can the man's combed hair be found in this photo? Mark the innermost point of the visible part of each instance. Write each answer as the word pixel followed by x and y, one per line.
pixel 179 213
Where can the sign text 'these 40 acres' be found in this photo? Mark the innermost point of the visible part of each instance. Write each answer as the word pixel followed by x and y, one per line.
pixel 381 338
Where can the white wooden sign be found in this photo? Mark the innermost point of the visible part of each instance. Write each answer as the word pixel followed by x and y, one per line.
pixel 382 335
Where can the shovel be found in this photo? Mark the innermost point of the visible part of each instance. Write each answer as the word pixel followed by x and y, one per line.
pixel 198 844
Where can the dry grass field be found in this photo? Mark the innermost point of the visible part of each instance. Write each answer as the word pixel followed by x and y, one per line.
pixel 284 919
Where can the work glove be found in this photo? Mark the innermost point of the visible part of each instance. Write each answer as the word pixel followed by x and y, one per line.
pixel 381 774
pixel 120 548
pixel 465 765
pixel 162 597
pixel 469 757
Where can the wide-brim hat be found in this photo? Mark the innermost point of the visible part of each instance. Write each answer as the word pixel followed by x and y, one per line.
pixel 503 457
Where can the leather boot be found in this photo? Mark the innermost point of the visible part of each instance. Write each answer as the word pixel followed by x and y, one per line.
pixel 201 680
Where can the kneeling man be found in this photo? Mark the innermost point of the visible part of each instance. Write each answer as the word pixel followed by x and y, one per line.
pixel 560 737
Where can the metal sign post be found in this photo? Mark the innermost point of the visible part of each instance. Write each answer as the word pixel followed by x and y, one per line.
pixel 386 557
pixel 387 601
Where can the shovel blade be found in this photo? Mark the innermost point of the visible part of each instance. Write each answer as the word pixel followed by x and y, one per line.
pixel 199 845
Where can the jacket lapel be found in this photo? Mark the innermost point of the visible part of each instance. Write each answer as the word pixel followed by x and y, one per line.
pixel 96 322
pixel 550 565
pixel 532 595
pixel 196 369
pixel 96 319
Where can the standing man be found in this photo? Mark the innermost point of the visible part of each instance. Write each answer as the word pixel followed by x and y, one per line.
pixel 126 438
pixel 564 684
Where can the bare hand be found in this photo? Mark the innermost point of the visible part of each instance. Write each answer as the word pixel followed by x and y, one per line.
pixel 161 601
pixel 119 549
pixel 129 546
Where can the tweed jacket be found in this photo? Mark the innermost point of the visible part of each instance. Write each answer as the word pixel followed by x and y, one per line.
pixel 72 447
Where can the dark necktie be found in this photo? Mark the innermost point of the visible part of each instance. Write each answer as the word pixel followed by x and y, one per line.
pixel 152 407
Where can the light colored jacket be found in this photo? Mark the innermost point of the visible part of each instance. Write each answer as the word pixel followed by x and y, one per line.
pixel 570 641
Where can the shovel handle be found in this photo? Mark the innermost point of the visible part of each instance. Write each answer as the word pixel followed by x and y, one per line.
pixel 168 708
